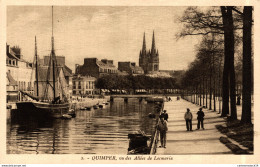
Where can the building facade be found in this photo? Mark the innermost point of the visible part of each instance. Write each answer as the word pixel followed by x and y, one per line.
pixel 130 68
pixel 83 85
pixel 95 68
pixel 21 72
pixel 66 71
pixel 149 60
pixel 11 89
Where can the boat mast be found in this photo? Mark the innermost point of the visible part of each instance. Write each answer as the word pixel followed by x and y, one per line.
pixel 36 69
pixel 53 57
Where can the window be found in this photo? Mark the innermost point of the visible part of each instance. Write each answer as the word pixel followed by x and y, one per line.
pixel 79 85
pixel 10 62
pixel 155 67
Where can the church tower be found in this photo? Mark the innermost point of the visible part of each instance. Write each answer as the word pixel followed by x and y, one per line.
pixel 154 58
pixel 149 61
pixel 143 56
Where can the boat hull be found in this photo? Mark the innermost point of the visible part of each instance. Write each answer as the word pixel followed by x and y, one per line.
pixel 41 109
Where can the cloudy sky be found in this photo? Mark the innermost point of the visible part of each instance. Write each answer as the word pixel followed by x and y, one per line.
pixel 104 32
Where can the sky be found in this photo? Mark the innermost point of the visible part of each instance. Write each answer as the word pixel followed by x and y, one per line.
pixel 109 32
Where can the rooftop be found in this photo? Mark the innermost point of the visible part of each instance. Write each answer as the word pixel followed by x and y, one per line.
pixel 105 65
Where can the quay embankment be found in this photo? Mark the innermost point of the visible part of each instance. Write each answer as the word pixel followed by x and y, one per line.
pixel 155 137
pixel 142 143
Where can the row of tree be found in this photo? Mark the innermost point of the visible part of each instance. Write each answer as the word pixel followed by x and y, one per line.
pixel 204 76
pixel 131 82
pixel 221 28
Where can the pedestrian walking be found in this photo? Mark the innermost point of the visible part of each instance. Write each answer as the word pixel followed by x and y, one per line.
pixel 200 119
pixel 163 128
pixel 188 118
pixel 238 99
pixel 165 115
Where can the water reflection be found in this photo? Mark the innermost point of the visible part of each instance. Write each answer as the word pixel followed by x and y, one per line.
pixel 101 131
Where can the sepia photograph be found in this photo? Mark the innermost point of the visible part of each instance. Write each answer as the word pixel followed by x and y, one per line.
pixel 129 81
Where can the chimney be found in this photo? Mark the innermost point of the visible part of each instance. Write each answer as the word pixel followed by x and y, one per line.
pixel 7 49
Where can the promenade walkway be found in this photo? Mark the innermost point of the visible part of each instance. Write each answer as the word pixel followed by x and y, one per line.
pixel 180 141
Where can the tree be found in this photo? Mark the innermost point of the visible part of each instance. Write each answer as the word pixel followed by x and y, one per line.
pixel 229 69
pixel 215 22
pixel 205 65
pixel 247 61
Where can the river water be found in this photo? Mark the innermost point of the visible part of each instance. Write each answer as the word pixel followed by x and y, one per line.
pixel 101 131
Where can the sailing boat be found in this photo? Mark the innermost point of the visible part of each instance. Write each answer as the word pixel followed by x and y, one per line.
pixel 55 107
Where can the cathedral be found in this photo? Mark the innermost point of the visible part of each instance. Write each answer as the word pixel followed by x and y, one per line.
pixel 149 60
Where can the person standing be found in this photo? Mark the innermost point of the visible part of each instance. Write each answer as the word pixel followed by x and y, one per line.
pixel 163 128
pixel 188 118
pixel 200 119
pixel 165 115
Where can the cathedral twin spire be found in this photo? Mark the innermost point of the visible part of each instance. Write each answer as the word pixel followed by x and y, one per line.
pixel 153 49
pixel 149 60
